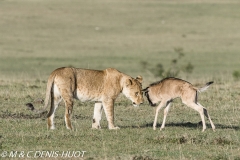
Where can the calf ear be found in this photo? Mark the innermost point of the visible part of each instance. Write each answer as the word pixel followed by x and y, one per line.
pixel 139 79
pixel 145 90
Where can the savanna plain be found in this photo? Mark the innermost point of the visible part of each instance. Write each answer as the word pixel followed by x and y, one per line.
pixel 135 37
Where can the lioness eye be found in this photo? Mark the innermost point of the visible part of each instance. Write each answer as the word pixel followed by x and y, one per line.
pixel 136 93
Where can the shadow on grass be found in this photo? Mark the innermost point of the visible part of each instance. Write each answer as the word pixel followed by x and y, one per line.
pixel 187 125
pixel 11 115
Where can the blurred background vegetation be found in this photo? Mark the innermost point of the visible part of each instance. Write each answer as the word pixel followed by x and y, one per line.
pixel 152 38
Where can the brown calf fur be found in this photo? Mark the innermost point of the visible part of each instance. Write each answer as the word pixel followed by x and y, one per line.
pixel 170 88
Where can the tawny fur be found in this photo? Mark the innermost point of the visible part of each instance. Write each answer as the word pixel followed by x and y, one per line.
pixel 101 86
pixel 170 88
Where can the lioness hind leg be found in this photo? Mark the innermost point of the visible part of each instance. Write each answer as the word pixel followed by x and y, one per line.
pixel 68 112
pixel 97 116
pixel 50 116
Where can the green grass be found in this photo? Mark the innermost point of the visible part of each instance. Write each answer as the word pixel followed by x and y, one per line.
pixel 38 37
pixel 22 130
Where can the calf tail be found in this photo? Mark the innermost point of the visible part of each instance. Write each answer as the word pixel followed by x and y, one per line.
pixel 204 88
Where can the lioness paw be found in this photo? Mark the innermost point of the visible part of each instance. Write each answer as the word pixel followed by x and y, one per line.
pixel 95 126
pixel 114 128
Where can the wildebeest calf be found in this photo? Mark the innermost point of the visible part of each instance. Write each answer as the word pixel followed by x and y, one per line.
pixel 170 88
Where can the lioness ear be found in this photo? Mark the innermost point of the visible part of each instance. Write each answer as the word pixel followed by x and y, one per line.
pixel 139 79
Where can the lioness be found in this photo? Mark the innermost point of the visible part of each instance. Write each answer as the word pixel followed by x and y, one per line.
pixel 103 87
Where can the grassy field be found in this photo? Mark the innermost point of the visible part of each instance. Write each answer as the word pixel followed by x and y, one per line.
pixel 40 36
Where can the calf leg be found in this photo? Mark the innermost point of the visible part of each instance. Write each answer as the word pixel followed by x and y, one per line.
pixel 162 103
pixel 97 116
pixel 207 115
pixel 165 114
pixel 198 108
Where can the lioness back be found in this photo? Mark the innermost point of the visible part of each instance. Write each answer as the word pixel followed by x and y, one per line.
pixel 88 84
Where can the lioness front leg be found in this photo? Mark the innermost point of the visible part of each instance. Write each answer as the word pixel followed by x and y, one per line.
pixel 109 112
pixel 97 115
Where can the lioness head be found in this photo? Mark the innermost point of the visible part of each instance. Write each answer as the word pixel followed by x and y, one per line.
pixel 132 89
